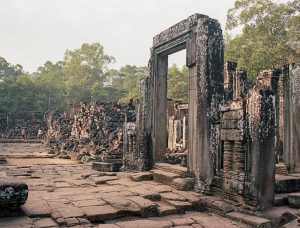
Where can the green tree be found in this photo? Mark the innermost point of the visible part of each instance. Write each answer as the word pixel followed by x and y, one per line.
pixel 178 83
pixel 84 72
pixel 131 77
pixel 270 34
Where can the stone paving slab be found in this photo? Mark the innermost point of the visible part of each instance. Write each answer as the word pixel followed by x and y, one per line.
pixel 74 195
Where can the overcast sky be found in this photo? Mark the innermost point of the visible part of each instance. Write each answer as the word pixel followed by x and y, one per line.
pixel 34 31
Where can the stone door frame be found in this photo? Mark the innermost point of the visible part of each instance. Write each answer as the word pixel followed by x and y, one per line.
pixel 202 38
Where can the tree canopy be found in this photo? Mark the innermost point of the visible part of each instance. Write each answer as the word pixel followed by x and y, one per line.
pixel 269 37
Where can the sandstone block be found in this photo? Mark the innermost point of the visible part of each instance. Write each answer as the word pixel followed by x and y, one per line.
pixel 107 167
pixel 100 213
pixel 164 177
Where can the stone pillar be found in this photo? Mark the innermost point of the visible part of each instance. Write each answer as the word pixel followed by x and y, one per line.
pixel 160 105
pixel 130 154
pixel 204 143
pixel 261 140
pixel 184 132
pixel 229 73
pixel 171 132
pixel 291 144
pixel 239 157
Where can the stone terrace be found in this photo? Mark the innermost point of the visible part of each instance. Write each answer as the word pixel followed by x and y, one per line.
pixel 68 194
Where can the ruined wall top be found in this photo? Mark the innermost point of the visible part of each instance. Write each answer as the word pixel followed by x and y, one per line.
pixel 178 29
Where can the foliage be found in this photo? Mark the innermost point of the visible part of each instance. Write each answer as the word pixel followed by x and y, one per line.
pixel 270 34
pixel 83 75
pixel 178 83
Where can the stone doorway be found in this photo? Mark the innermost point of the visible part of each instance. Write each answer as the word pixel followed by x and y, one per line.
pixel 201 37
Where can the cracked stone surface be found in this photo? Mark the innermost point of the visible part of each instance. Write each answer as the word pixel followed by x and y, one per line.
pixel 63 193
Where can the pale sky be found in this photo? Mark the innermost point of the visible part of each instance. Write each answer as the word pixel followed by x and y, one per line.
pixel 34 31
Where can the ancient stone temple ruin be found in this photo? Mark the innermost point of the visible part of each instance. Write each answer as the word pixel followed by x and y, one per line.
pixel 230 133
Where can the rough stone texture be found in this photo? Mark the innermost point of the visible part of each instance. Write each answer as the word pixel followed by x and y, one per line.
pixel 294 200
pixel 100 213
pixel 261 113
pixel 113 166
pixel 12 192
pixel 93 132
pixel 202 37
pixel 184 184
pixel 12 123
pixel 164 177
pixel 291 144
pixel 143 176
pixel 250 220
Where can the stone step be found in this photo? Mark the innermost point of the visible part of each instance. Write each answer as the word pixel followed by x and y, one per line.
pixel 182 171
pixel 287 184
pixel 164 176
pixel 280 199
pixel 281 169
pixel 294 200
pixel 251 220
pixel 107 166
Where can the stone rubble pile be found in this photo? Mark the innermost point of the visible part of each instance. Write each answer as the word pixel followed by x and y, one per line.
pixel 94 134
pixel 11 124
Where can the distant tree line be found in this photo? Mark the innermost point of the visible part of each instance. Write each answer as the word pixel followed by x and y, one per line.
pixel 269 37
pixel 82 76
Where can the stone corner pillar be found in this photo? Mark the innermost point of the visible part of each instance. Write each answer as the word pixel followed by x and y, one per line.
pixel 261 124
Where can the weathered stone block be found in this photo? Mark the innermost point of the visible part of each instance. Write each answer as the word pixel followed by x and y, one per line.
pixel 184 184
pixel 231 135
pixel 294 200
pixel 148 208
pixel 100 213
pixel 104 179
pixel 164 177
pixel 250 220
pixel 144 224
pixel 107 167
pixel 142 176
pixel 12 192
pixel 233 115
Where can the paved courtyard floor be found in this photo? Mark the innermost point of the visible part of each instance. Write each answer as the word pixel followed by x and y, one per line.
pixel 63 193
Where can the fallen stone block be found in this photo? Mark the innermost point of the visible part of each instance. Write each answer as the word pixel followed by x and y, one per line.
pixel 107 167
pixel 142 176
pixel 12 192
pixel 184 184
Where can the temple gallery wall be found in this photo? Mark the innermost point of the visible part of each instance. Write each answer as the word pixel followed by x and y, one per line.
pixel 230 134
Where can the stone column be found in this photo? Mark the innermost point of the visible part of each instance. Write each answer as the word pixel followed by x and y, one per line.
pixel 229 72
pixel 292 117
pixel 261 118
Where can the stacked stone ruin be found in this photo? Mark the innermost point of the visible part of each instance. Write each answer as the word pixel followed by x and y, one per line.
pixel 12 123
pixel 233 131
pixel 92 133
